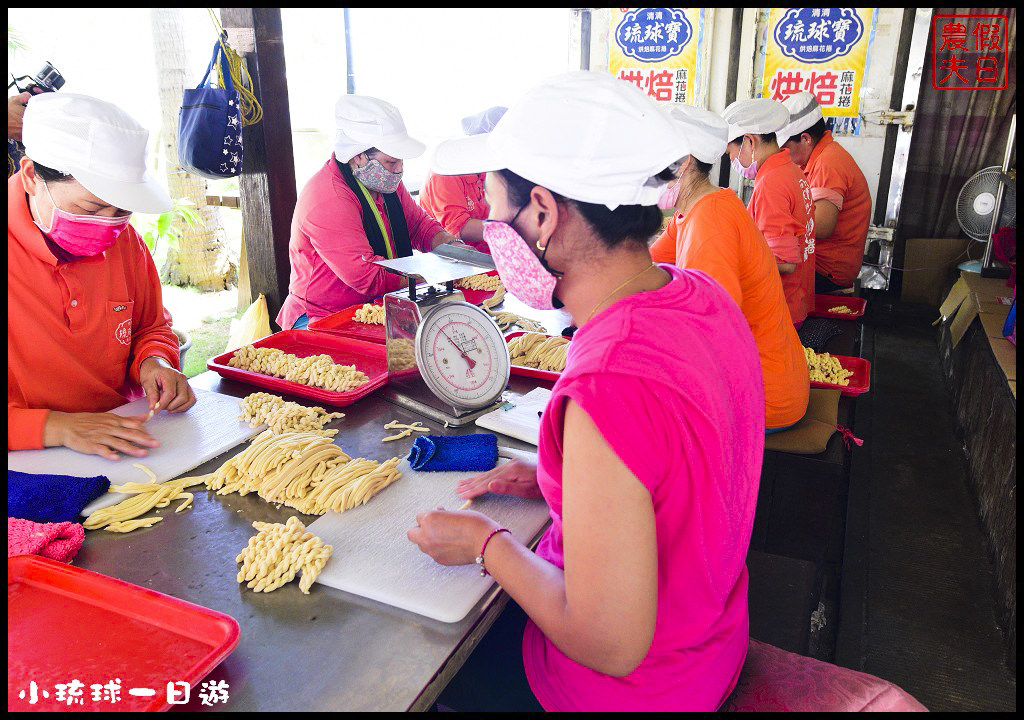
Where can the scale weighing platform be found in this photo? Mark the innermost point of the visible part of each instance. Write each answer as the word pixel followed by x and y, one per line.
pixel 447 359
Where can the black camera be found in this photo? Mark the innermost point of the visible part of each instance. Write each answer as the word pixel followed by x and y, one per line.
pixel 48 79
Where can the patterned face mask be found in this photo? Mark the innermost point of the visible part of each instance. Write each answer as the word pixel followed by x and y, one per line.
pixel 378 178
pixel 522 272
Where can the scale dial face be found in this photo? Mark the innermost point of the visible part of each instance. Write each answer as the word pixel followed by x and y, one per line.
pixel 462 355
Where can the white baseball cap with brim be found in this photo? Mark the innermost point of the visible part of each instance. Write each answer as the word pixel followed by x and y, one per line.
pixel 585 135
pixel 756 116
pixel 483 122
pixel 706 131
pixel 97 143
pixel 804 111
pixel 365 122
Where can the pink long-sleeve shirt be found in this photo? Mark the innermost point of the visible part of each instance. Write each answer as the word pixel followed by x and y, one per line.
pixel 331 258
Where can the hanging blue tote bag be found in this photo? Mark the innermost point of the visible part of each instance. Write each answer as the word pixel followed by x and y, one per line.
pixel 210 125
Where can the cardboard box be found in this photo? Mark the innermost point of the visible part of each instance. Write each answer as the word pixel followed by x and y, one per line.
pixel 930 264
pixel 962 320
pixel 993 324
pixel 957 294
pixel 1006 355
pixel 987 289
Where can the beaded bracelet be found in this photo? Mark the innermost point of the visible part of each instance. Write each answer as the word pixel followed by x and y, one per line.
pixel 480 557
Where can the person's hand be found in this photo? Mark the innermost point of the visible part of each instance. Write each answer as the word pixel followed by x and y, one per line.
pixel 16 114
pixel 103 434
pixel 517 478
pixel 451 538
pixel 165 386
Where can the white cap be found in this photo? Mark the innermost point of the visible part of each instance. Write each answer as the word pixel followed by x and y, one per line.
pixel 99 144
pixel 804 111
pixel 706 131
pixel 483 122
pixel 364 122
pixel 757 116
pixel 586 135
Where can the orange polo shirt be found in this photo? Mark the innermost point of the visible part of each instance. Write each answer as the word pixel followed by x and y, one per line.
pixel 76 331
pixel 834 176
pixel 783 211
pixel 718 237
pixel 454 200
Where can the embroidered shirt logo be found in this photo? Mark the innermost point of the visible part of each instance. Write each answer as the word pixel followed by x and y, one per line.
pixel 123 333
pixel 120 308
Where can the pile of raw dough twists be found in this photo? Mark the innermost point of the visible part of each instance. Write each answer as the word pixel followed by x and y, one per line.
pixel 370 314
pixel 316 370
pixel 276 554
pixel 281 416
pixel 488 283
pixel 538 351
pixel 826 369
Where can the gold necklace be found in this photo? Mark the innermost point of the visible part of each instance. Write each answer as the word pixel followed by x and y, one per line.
pixel 615 291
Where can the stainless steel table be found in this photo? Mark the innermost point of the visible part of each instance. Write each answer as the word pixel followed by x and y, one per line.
pixel 329 650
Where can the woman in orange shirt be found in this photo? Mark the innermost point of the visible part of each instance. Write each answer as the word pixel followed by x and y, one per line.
pixel 457 201
pixel 712 232
pixel 86 326
pixel 781 204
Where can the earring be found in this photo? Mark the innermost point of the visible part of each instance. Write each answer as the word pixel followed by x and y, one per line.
pixel 539 247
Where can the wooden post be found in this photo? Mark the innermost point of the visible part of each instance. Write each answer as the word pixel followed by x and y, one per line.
pixel 267 182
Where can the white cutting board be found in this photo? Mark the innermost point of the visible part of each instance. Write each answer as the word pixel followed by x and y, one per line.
pixel 188 439
pixel 373 557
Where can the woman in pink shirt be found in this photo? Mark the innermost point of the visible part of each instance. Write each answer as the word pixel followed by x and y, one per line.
pixel 650 447
pixel 353 212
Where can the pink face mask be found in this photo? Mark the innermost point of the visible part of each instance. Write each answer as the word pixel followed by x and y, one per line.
pixel 669 196
pixel 82 235
pixel 518 267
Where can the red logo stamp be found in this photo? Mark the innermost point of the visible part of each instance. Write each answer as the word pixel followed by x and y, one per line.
pixel 970 52
pixel 123 333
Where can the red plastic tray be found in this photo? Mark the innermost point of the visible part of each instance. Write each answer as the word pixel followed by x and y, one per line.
pixel 476 297
pixel 823 302
pixel 371 358
pixel 65 624
pixel 343 323
pixel 860 382
pixel 531 372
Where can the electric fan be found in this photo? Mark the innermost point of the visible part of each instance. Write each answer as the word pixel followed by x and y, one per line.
pixel 977 202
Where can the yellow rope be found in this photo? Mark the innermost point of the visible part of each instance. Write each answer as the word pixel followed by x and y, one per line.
pixel 250 108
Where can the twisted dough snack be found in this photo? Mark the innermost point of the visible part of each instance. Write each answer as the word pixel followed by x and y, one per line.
pixel 370 314
pixel 145 496
pixel 280 416
pixel 401 355
pixel 508 320
pixel 488 283
pixel 276 553
pixel 316 370
pixel 303 470
pixel 538 351
pixel 826 369
pixel 841 309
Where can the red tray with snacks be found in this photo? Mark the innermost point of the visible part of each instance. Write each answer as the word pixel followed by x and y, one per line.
pixel 368 357
pixel 476 297
pixel 528 371
pixel 67 624
pixel 824 304
pixel 344 323
pixel 860 381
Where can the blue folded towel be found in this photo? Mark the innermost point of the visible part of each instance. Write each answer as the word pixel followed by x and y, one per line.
pixel 465 453
pixel 51 498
